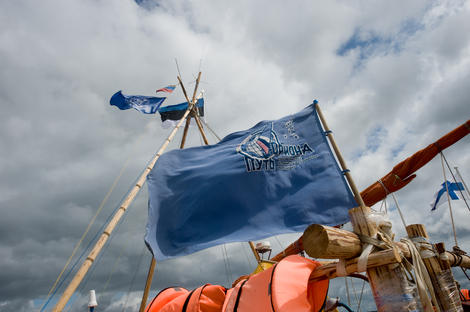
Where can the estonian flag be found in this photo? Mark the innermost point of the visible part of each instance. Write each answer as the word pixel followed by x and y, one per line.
pixel 172 113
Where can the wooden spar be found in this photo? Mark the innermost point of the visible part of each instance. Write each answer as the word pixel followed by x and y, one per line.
pixel 345 169
pixel 330 243
pixel 193 110
pixel 316 245
pixel 396 179
pixel 389 283
pixel 185 131
pixel 379 258
pixel 438 270
pixel 148 282
pixel 255 253
pixel 113 222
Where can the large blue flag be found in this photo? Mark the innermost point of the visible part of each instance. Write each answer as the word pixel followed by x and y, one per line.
pixel 277 177
pixel 144 104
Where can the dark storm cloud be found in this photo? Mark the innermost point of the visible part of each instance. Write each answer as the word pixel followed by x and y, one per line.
pixel 62 145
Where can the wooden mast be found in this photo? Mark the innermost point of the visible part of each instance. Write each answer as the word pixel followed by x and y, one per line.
pixel 114 221
pixel 192 105
pixel 387 281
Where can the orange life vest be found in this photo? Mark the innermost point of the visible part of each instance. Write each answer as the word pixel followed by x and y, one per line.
pixel 464 294
pixel 207 298
pixel 283 287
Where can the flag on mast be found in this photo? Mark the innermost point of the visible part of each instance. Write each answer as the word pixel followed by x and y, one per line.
pixel 456 192
pixel 142 103
pixel 168 89
pixel 171 114
pixel 277 177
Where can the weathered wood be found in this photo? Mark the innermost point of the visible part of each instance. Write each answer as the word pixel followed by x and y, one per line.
pixel 440 273
pixel 255 253
pixel 352 184
pixel 148 283
pixel 379 258
pixel 389 284
pixel 326 242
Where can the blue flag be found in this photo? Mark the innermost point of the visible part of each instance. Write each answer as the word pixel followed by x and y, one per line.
pixel 144 104
pixel 277 177
pixel 454 189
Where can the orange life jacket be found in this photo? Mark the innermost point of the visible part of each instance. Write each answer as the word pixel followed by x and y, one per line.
pixel 165 297
pixel 207 298
pixel 464 294
pixel 283 287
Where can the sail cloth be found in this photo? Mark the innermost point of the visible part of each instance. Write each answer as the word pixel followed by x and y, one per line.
pixel 402 173
pixel 142 103
pixel 276 177
pixel 172 113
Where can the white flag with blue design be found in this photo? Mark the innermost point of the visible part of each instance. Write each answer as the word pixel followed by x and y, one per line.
pixel 456 191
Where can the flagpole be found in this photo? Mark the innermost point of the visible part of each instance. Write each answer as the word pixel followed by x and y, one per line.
pixel 148 282
pixel 448 200
pixel 113 222
pixel 357 194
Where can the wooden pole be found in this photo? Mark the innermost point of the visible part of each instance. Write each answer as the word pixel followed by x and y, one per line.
pixel 148 282
pixel 255 253
pixel 115 219
pixel 199 125
pixel 326 242
pixel 376 259
pixel 357 194
pixel 389 283
pixel 438 270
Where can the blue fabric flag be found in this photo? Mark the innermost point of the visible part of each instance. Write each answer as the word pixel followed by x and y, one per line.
pixel 452 187
pixel 144 104
pixel 277 177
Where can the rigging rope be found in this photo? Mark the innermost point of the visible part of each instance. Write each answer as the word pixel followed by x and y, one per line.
pixel 103 202
pixel 101 255
pixel 133 277
pixel 210 129
pixel 360 298
pixel 448 199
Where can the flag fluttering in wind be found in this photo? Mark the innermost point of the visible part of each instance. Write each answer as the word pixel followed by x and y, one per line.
pixel 456 191
pixel 172 113
pixel 277 177
pixel 144 104
pixel 167 89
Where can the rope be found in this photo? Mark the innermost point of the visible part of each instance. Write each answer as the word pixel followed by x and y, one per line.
pixel 360 298
pixel 464 184
pixel 210 129
pixel 347 290
pixel 133 277
pixel 92 221
pixel 396 203
pixel 228 264
pixel 448 199
pixel 101 255
pixel 421 276
pixel 225 263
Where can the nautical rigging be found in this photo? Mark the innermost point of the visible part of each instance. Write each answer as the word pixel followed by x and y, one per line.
pixel 369 248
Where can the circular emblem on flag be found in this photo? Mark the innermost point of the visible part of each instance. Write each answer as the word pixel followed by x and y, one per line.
pixel 258 145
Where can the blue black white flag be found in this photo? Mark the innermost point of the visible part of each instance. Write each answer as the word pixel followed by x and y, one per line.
pixel 456 191
pixel 144 104
pixel 172 113
pixel 277 177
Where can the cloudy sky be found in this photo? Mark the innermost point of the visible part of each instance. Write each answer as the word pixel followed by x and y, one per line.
pixel 391 77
